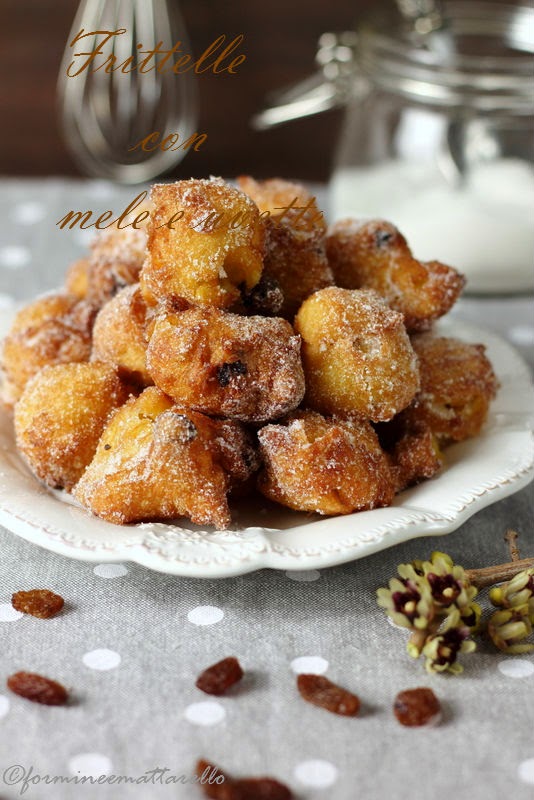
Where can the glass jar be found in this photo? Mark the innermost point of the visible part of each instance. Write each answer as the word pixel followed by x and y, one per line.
pixel 438 137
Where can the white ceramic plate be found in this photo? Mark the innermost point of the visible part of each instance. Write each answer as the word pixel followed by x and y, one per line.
pixel 482 471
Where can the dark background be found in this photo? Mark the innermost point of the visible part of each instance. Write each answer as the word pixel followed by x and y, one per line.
pixel 280 43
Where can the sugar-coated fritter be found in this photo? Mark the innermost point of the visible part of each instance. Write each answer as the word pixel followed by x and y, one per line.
pixel 357 355
pixel 373 254
pixel 54 329
pixel 119 335
pixel 115 261
pixel 245 368
pixel 60 417
pixel 416 457
pixel 413 450
pixel 328 465
pixel 156 460
pixel 77 278
pixel 205 243
pixel 295 254
pixel 457 387
pixel 133 386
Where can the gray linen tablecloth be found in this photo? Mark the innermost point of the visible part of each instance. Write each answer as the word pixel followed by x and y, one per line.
pixel 131 642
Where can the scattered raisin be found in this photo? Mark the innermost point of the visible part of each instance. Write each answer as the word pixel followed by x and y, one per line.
pixel 225 372
pixel 40 603
pixel 321 692
pixel 219 677
pixel 259 789
pixel 219 786
pixel 37 688
pixel 417 707
pixel 190 431
pixel 213 782
pixel 107 447
pixel 382 237
pixel 265 298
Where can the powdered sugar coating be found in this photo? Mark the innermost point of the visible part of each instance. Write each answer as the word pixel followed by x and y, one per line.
pixel 119 335
pixel 295 254
pixel 115 261
pixel 245 368
pixel 208 244
pixel 373 254
pixel 54 329
pixel 158 461
pixel 60 416
pixel 457 386
pixel 327 465
pixel 205 240
pixel 357 355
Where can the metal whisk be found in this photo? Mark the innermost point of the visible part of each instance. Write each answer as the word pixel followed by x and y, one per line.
pixel 103 114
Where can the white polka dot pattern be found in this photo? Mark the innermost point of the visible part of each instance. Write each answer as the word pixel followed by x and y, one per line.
pixel 6 301
pixel 110 570
pixel 28 213
pixel 316 773
pixel 525 771
pixel 205 615
pixel 14 256
pixel 516 668
pixel 309 665
pixel 8 613
pixel 101 659
pixel 4 705
pixel 92 764
pixel 206 713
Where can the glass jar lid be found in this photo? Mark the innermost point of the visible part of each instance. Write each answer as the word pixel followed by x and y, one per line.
pixel 474 54
pixel 480 56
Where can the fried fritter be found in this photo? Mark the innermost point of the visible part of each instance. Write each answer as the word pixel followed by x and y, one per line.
pixel 205 244
pixel 158 461
pixel 60 417
pixel 115 262
pixel 457 387
pixel 119 335
pixel 413 450
pixel 54 329
pixel 245 368
pixel 327 465
pixel 416 457
pixel 357 355
pixel 295 255
pixel 375 255
pixel 77 278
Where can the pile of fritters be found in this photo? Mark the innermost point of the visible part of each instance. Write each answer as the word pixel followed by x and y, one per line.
pixel 237 345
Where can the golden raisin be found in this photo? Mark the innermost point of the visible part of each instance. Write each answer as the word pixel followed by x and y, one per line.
pixel 213 782
pixel 40 603
pixel 219 786
pixel 321 692
pixel 219 677
pixel 417 707
pixel 37 688
pixel 259 789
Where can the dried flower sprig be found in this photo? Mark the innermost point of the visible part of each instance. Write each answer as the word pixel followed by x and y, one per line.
pixel 442 649
pixel 508 628
pixel 512 624
pixel 434 599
